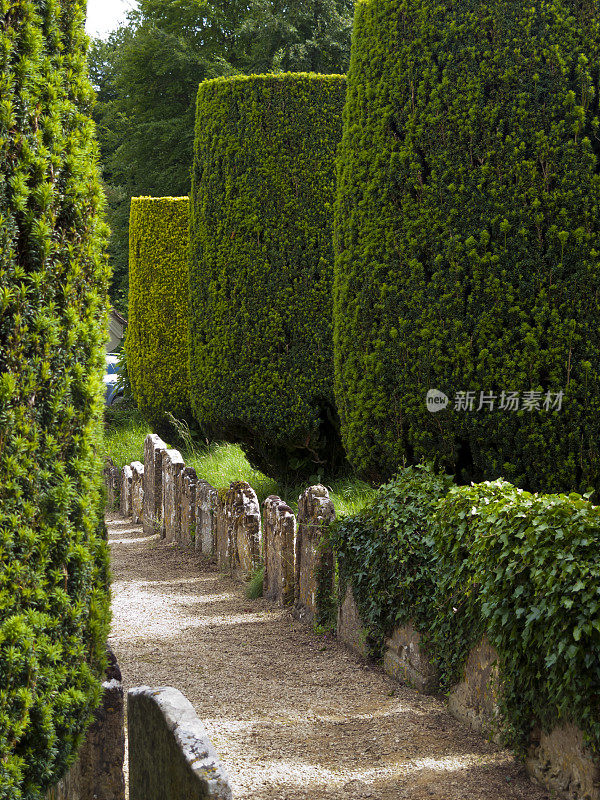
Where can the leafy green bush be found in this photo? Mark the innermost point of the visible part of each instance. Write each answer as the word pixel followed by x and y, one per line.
pixel 385 552
pixel 261 267
pixel 461 562
pixel 466 238
pixel 524 568
pixel 157 334
pixel 54 611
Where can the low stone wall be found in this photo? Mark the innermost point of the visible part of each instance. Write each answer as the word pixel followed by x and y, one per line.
pixel 98 769
pixel 279 541
pixel 170 754
pixel 314 570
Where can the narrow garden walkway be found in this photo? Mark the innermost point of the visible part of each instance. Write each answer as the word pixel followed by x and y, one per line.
pixel 292 714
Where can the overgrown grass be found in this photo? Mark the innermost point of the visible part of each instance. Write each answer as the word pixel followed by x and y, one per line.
pixel 124 432
pixel 221 463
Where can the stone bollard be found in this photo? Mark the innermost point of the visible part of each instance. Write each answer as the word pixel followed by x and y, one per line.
pixel 243 517
pixel 314 557
pixel 137 492
pixel 98 769
pixel 170 754
pixel 187 525
pixel 206 518
pixel 154 449
pixel 279 535
pixel 126 487
pixel 173 466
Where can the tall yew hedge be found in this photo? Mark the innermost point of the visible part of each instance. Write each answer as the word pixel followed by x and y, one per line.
pixel 261 268
pixel 157 334
pixel 467 239
pixel 53 283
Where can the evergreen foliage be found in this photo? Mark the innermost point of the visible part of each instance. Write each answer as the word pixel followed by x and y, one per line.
pixel 461 562
pixel 54 611
pixel 157 334
pixel 261 267
pixel 146 76
pixel 466 239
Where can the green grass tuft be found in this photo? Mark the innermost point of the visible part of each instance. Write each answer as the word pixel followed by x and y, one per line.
pixel 254 587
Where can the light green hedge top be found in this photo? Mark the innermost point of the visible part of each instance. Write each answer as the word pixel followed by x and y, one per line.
pixel 157 334
pixel 261 265
pixel 467 232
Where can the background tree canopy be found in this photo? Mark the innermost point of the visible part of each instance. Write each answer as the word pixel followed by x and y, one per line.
pixel 146 76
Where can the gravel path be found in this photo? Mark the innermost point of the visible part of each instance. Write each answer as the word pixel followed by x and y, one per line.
pixel 293 715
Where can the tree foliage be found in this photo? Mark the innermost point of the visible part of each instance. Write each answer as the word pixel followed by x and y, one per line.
pixel 53 281
pixel 147 74
pixel 261 267
pixel 468 220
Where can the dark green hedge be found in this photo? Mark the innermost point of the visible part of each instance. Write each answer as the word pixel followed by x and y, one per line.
pixel 53 283
pixel 461 562
pixel 261 266
pixel 157 334
pixel 467 228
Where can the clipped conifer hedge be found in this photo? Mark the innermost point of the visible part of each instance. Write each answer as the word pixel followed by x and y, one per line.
pixel 262 264
pixel 54 611
pixel 467 240
pixel 157 333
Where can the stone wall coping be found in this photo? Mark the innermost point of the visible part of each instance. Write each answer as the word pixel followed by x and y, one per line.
pixel 190 736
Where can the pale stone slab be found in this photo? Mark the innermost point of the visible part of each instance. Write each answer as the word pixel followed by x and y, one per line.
pixel 475 699
pixel 126 490
pixel 206 518
pixel 405 660
pixel 170 754
pixel 137 492
pixel 243 517
pixel 173 466
pixel 188 488
pixel 560 761
pixel 314 557
pixel 154 449
pixel 350 629
pixel 279 542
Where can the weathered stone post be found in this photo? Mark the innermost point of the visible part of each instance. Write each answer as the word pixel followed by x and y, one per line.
pixel 243 516
pixel 173 466
pixel 314 556
pixel 126 487
pixel 279 539
pixel 137 492
pixel 187 527
pixel 206 518
pixel 154 448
